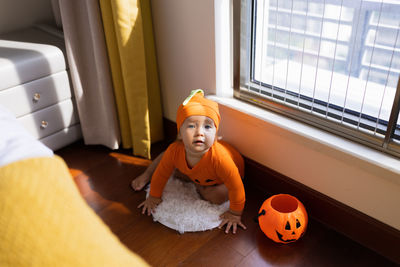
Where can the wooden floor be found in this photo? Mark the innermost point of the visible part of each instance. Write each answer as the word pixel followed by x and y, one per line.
pixel 103 177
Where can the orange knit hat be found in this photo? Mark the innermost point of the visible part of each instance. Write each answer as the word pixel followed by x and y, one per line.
pixel 196 104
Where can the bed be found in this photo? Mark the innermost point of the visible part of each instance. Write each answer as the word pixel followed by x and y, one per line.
pixel 44 221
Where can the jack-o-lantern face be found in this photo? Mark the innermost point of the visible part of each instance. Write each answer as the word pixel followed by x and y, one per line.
pixel 283 218
pixel 291 232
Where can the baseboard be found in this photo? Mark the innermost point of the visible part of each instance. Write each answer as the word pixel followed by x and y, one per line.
pixel 354 224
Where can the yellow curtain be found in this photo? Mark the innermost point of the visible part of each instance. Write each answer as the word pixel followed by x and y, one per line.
pixel 130 44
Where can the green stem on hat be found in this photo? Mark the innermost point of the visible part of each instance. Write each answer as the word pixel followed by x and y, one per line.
pixel 191 95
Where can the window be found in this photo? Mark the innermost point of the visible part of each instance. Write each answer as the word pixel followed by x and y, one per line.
pixel 334 64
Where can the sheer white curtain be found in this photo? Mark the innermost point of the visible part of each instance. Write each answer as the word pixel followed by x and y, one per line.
pixel 90 73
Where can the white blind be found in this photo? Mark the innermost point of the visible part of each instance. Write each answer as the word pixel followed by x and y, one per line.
pixel 335 59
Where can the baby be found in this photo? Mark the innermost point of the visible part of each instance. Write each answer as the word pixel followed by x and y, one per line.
pixel 213 166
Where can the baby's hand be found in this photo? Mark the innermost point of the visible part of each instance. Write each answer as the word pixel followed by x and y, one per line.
pixel 231 220
pixel 149 204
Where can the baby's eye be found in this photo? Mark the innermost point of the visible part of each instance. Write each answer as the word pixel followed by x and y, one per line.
pixel 208 126
pixel 190 126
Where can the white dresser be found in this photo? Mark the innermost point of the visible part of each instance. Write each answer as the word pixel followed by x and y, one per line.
pixel 35 86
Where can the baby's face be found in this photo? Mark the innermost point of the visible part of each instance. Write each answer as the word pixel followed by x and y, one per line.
pixel 198 134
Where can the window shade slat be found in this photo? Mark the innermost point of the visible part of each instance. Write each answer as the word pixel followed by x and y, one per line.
pixel 288 49
pixel 302 56
pixel 351 60
pixel 318 58
pixel 369 68
pixel 273 68
pixel 388 74
pixel 334 59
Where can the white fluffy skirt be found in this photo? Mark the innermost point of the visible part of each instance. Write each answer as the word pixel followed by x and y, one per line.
pixel 183 210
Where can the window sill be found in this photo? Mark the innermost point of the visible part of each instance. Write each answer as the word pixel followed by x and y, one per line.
pixel 374 161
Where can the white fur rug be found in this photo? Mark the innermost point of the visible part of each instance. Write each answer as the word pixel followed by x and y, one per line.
pixel 183 210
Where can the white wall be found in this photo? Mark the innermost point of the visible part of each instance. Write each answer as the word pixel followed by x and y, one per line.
pixel 184 35
pixel 18 14
pixel 185 48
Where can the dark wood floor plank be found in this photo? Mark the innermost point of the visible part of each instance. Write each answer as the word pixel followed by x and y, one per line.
pixel 103 178
pixel 254 259
pixel 81 157
pixel 173 248
pixel 214 253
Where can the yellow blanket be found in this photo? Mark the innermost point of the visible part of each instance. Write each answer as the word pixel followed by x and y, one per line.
pixel 45 222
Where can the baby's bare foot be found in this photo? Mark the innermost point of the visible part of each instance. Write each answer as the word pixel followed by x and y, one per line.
pixel 138 183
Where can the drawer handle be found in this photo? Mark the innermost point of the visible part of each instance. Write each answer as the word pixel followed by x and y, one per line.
pixel 36 97
pixel 44 124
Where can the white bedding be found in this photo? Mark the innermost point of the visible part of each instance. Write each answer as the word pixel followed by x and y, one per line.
pixel 15 141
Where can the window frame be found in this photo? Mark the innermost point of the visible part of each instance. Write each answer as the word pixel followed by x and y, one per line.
pixel 242 53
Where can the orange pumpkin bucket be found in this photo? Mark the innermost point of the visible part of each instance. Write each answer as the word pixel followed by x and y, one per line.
pixel 283 218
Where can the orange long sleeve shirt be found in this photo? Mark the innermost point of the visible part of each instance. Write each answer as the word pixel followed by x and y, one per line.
pixel 222 164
